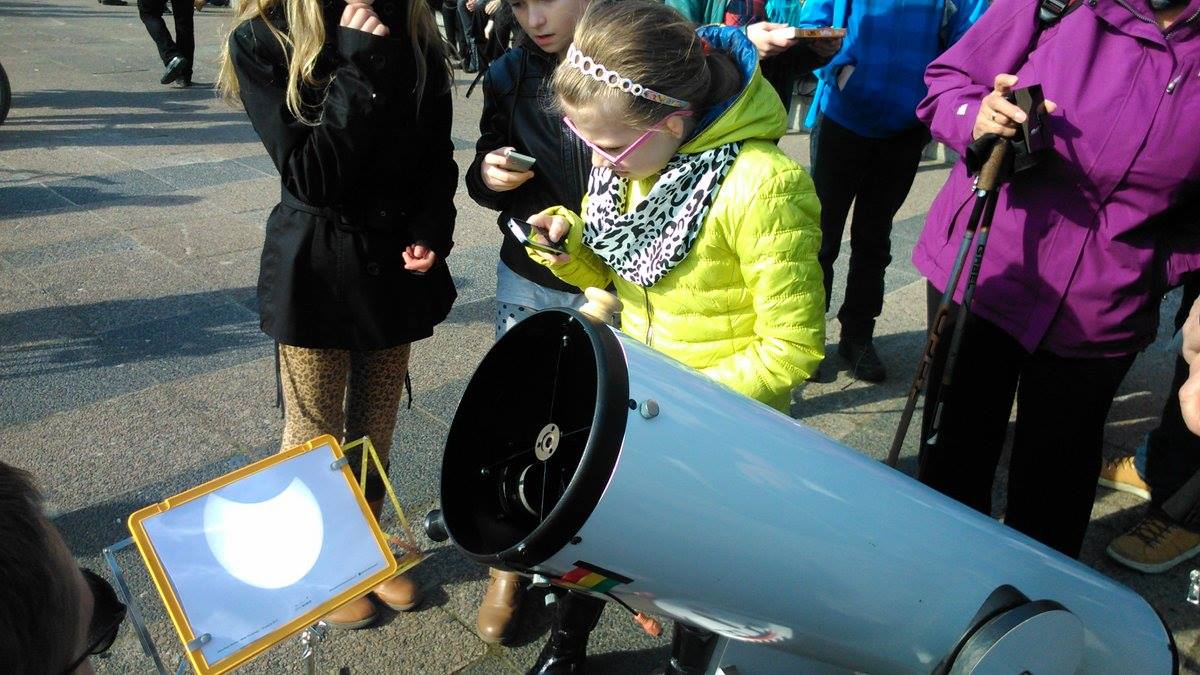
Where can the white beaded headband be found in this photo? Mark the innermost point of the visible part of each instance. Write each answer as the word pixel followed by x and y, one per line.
pixel 597 71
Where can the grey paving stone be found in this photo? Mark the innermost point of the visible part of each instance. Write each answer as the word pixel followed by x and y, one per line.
pixel 201 238
pixel 21 199
pixel 205 174
pixel 110 447
pixel 121 289
pixel 54 226
pixel 209 339
pixel 62 373
pixel 46 254
pixel 109 187
pixel 474 272
pixel 233 274
pixel 237 401
pixel 259 162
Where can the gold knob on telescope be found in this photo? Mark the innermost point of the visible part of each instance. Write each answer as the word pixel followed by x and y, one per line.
pixel 601 305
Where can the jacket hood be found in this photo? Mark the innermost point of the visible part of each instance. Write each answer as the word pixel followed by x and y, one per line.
pixel 754 112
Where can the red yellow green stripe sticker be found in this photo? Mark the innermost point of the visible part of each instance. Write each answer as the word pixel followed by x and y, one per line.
pixel 591 578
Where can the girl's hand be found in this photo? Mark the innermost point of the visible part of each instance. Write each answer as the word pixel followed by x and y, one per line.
pixel 770 38
pixel 825 47
pixel 554 228
pixel 359 16
pixel 496 174
pixel 418 258
pixel 999 116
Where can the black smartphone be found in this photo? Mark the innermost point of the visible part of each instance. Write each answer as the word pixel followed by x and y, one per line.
pixel 533 238
pixel 1034 135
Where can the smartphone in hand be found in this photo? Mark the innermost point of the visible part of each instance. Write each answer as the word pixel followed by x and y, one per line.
pixel 817 33
pixel 517 161
pixel 532 238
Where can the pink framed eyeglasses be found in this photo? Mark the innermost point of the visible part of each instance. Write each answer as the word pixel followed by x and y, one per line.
pixel 632 147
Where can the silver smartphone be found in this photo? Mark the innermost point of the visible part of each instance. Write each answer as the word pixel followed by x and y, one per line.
pixel 529 236
pixel 518 162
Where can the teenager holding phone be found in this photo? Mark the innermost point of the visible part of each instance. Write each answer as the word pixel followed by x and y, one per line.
pixel 768 24
pixel 353 264
pixel 517 124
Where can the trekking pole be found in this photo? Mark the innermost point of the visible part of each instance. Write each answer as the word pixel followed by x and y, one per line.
pixel 986 184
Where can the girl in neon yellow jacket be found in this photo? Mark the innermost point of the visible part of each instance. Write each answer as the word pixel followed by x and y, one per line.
pixel 707 230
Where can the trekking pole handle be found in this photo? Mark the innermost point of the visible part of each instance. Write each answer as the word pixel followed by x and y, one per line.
pixel 989 174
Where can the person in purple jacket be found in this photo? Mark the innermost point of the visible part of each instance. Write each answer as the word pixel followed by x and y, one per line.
pixel 1070 285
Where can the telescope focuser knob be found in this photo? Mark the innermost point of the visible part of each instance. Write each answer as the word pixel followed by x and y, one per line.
pixel 435 526
pixel 601 305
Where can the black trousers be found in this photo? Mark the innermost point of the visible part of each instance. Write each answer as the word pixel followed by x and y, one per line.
pixel 184 44
pixel 1062 404
pixel 873 174
pixel 1172 450
pixel 472 23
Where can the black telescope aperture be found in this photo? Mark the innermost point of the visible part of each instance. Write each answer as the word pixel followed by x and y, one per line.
pixel 535 439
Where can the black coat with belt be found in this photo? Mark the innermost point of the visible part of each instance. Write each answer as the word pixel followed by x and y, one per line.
pixel 375 175
pixel 519 111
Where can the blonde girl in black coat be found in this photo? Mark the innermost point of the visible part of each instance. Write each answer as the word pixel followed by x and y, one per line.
pixel 352 103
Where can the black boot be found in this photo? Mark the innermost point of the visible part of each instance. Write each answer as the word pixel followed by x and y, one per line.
pixel 565 653
pixel 691 650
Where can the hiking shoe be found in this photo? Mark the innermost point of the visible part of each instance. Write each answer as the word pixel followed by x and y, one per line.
pixel 1121 474
pixel 864 362
pixel 1155 545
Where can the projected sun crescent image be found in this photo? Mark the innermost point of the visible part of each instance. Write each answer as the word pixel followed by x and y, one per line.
pixel 268 544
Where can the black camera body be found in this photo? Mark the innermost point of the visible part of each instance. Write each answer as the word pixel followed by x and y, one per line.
pixel 1033 137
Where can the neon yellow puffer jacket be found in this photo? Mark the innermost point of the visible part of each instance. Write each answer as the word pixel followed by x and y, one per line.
pixel 746 306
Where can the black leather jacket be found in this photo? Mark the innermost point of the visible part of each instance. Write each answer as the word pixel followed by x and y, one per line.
pixel 519 111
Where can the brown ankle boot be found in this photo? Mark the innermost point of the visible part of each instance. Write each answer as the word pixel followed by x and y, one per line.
pixel 499 605
pixel 400 593
pixel 353 615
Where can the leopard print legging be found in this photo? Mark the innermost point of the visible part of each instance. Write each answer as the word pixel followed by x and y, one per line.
pixel 346 394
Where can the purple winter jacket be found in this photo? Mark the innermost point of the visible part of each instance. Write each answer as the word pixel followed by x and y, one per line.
pixel 1071 266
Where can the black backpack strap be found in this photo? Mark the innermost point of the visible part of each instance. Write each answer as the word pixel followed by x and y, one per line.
pixel 1051 12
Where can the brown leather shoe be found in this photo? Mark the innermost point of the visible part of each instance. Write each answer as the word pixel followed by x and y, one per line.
pixel 400 593
pixel 353 615
pixel 499 606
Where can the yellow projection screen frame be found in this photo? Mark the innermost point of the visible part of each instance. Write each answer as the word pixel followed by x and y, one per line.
pixel 158 573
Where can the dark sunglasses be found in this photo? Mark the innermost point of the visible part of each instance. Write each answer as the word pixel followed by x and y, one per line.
pixel 107 614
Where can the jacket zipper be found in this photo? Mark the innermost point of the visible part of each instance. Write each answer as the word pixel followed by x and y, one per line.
pixel 1174 27
pixel 1166 36
pixel 649 318
pixel 1180 24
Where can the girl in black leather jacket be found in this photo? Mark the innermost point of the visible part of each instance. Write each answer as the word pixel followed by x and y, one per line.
pixel 518 114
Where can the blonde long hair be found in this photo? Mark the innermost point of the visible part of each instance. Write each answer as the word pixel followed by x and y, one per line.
pixel 304 39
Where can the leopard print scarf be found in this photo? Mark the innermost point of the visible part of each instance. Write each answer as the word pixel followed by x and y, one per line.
pixel 646 243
